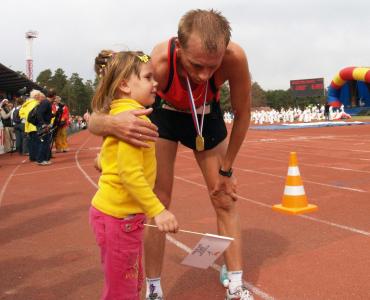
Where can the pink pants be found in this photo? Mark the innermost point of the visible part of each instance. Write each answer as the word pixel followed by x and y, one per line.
pixel 121 248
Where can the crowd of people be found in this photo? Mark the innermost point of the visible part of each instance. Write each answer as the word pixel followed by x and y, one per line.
pixel 308 114
pixel 33 125
pixel 228 117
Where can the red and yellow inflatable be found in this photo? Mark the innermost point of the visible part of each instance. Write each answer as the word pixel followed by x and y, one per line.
pixel 349 73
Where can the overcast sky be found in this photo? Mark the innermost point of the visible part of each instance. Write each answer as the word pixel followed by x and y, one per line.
pixel 283 39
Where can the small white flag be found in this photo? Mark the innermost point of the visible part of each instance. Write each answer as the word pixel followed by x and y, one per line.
pixel 208 249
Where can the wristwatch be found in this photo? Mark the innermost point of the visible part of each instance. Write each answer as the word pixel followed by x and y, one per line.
pixel 227 173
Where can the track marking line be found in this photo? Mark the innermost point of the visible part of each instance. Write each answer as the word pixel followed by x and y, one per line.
pixel 217 267
pixel 355 230
pixel 309 181
pixel 305 180
pixel 79 165
pixel 367 151
pixel 344 227
pixel 47 170
pixel 305 164
pixel 177 243
pixel 305 151
pixel 11 175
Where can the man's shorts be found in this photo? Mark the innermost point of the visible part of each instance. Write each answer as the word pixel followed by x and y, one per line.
pixel 179 126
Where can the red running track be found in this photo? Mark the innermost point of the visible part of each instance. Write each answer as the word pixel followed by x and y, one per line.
pixel 47 250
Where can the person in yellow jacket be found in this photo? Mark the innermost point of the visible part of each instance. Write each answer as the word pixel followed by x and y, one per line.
pixel 30 130
pixel 61 121
pixel 125 196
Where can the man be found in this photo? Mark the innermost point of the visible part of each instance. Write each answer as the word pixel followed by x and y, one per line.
pixel 61 123
pixel 189 70
pixel 19 126
pixel 5 113
pixel 44 116
pixel 30 129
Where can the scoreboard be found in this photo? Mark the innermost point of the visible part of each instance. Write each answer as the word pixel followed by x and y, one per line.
pixel 307 87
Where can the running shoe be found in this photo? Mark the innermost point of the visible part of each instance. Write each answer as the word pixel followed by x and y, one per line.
pixel 241 293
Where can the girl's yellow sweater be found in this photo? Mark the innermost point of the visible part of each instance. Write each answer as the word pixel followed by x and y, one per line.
pixel 128 174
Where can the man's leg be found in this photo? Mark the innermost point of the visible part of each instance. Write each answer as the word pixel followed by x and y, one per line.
pixel 227 215
pixel 154 240
pixel 228 222
pixel 58 141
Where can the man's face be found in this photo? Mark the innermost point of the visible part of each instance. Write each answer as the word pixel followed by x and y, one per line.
pixel 197 62
pixel 40 97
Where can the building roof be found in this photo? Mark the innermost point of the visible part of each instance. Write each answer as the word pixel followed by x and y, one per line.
pixel 11 81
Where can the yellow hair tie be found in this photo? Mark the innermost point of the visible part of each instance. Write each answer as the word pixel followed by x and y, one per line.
pixel 143 58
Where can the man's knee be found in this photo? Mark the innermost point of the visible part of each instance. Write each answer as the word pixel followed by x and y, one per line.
pixel 222 202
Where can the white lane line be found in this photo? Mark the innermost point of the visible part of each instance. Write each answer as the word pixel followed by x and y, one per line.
pixel 344 227
pixel 216 267
pixel 309 181
pixel 304 164
pixel 11 175
pixel 296 145
pixel 177 243
pixel 305 180
pixel 289 139
pixel 336 225
pixel 47 170
pixel 79 166
pixel 288 148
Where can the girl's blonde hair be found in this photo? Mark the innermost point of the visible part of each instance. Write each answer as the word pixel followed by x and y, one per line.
pixel 113 67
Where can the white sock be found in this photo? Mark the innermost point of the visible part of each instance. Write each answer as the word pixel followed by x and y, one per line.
pixel 153 286
pixel 236 279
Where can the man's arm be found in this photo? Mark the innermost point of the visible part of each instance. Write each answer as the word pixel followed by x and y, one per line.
pixel 126 126
pixel 237 72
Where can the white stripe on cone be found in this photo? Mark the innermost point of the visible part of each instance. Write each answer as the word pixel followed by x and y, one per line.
pixel 294 190
pixel 293 171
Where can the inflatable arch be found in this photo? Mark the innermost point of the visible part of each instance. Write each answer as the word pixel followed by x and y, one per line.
pixel 339 89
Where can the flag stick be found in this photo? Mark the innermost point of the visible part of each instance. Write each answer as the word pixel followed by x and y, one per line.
pixel 198 233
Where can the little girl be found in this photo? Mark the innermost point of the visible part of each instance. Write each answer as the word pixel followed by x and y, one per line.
pixel 125 194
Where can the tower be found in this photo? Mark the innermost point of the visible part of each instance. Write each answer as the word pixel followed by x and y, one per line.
pixel 30 35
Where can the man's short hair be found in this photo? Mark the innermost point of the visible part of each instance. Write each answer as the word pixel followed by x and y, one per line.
pixel 51 93
pixel 213 29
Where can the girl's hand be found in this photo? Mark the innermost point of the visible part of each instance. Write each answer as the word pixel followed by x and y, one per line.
pixel 166 222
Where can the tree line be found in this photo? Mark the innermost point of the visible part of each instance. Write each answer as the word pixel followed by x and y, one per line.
pixel 77 93
pixel 271 98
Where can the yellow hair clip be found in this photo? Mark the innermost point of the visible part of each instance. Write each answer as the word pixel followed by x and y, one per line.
pixel 144 58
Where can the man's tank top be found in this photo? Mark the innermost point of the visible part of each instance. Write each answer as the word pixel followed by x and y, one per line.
pixel 175 95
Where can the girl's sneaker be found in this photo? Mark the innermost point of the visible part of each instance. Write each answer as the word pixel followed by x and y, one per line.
pixel 154 297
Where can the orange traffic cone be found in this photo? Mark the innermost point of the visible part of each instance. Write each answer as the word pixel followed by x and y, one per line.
pixel 294 198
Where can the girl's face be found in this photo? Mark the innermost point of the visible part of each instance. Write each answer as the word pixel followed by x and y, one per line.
pixel 143 89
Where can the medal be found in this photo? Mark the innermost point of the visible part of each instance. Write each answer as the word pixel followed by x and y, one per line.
pixel 199 140
pixel 199 143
